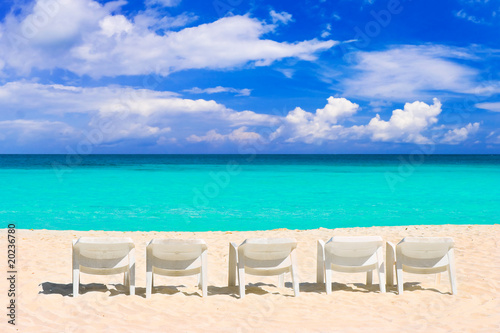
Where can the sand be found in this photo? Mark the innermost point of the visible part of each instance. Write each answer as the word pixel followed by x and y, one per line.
pixel 44 302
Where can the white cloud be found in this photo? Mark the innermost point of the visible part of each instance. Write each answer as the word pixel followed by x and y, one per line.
pixel 165 3
pixel 491 106
pixel 288 72
pixel 459 135
pixel 41 38
pixel 327 31
pixel 337 108
pixel 219 89
pixel 282 17
pixel 87 38
pixel 119 113
pixel 409 72
pixel 463 15
pixel 478 11
pixel 23 131
pixel 111 115
pixel 157 21
pixel 211 136
pixel 115 25
pixel 493 137
pixel 300 125
pixel 240 135
pixel 405 125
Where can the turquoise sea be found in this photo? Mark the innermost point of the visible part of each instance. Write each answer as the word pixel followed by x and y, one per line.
pixel 246 192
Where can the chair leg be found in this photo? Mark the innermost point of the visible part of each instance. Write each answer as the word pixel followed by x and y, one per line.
pixel 295 277
pixel 328 277
pixel 149 272
pixel 149 283
pixel 381 270
pixel 295 283
pixel 281 280
pixel 452 272
pixel 131 278
pixel 320 262
pixel 399 276
pixel 369 278
pixel 389 263
pixel 241 275
pixel 76 272
pixel 203 274
pixel 381 278
pixel 76 282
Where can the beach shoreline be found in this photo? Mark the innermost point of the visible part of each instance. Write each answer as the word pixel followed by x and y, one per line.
pixel 44 301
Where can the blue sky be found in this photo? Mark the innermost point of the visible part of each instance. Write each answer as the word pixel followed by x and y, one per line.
pixel 237 76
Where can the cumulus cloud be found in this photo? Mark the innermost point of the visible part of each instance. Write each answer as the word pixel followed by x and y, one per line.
pixel 459 135
pixel 405 125
pixel 240 135
pixel 410 72
pixel 300 125
pixel 219 89
pixel 86 37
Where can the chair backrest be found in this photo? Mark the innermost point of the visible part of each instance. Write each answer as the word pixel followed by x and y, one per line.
pixel 353 250
pixel 268 248
pixel 103 252
pixel 266 252
pixel 424 251
pixel 176 254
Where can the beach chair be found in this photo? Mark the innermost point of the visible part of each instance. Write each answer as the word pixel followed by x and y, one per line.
pixel 350 255
pixel 264 257
pixel 104 256
pixel 176 257
pixel 421 255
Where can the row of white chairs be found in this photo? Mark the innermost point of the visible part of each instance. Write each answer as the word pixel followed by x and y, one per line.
pixel 266 257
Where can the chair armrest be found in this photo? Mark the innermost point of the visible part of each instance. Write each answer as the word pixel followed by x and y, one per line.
pixel 320 262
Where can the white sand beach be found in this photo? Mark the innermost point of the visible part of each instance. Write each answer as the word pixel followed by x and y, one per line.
pixel 44 302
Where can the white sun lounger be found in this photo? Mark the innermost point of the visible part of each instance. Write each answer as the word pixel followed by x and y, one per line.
pixel 104 256
pixel 264 257
pixel 176 257
pixel 421 255
pixel 350 255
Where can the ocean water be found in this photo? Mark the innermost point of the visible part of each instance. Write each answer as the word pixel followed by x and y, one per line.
pixel 246 192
